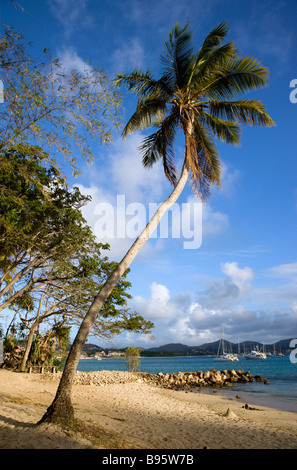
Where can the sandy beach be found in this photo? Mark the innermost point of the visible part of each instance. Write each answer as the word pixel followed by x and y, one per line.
pixel 137 415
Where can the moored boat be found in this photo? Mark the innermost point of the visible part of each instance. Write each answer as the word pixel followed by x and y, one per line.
pixel 226 357
pixel 254 354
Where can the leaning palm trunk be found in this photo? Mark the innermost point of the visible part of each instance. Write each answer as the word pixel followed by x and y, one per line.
pixel 61 409
pixel 195 94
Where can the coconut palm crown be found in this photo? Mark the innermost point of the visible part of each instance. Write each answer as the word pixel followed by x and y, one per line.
pixel 196 93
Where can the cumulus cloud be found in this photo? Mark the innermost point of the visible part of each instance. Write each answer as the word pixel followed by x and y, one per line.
pixel 159 306
pixel 240 276
pixel 225 292
pixel 194 318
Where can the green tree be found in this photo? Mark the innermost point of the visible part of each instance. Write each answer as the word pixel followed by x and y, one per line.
pixel 70 292
pixel 40 224
pixel 195 94
pixel 45 104
pixel 132 355
pixel 50 263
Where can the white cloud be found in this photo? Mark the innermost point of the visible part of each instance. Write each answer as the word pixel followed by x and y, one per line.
pixel 283 270
pixel 196 318
pixel 158 306
pixel 223 293
pixel 128 56
pixel 108 219
pixel 133 193
pixel 70 60
pixel 213 222
pixel 240 276
pixel 129 176
pixel 229 180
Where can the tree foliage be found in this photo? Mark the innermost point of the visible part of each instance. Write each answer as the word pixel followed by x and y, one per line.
pixel 50 263
pixel 40 224
pixel 47 105
pixel 132 356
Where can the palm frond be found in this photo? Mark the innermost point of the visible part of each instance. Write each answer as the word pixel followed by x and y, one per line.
pixel 213 39
pixel 148 112
pixel 197 93
pixel 142 83
pixel 203 66
pixel 236 76
pixel 160 145
pixel 177 56
pixel 205 168
pixel 226 131
pixel 250 112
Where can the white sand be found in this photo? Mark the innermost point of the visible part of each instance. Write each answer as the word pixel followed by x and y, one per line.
pixel 138 415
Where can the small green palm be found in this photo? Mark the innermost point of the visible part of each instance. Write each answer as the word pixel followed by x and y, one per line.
pixel 196 94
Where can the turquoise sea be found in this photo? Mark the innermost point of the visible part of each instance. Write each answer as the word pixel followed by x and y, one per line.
pixel 281 393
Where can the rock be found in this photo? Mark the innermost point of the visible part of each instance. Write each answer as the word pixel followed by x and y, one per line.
pixel 258 378
pixel 174 381
pixel 244 379
pixel 247 407
pixel 249 375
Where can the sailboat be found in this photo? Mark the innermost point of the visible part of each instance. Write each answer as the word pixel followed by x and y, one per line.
pixel 280 354
pixel 224 357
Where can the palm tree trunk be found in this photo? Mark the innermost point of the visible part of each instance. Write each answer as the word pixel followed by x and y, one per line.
pixel 61 409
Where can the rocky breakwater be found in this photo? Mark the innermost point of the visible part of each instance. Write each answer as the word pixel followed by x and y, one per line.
pixel 190 380
pixel 98 378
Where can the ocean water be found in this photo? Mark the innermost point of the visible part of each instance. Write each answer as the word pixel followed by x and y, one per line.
pixel 281 393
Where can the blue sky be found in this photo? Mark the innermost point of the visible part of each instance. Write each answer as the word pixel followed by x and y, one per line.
pixel 244 274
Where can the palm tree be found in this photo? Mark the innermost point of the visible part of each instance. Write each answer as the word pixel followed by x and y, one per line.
pixel 196 95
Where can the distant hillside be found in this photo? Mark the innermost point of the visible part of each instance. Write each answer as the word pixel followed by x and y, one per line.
pixel 212 348
pixel 175 349
pixel 90 348
pixel 172 347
